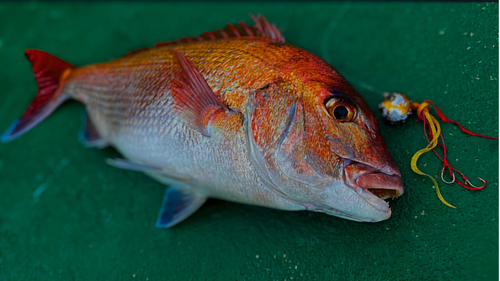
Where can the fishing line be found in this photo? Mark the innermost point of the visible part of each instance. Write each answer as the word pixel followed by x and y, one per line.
pixel 331 26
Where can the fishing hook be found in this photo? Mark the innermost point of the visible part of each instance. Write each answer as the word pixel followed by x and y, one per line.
pixel 469 183
pixel 447 182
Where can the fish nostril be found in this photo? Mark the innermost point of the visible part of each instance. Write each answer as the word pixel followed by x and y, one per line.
pixel 369 129
pixel 391 169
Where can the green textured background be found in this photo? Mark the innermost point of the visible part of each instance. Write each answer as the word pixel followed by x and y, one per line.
pixel 66 215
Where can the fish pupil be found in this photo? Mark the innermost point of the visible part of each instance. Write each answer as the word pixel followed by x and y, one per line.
pixel 340 112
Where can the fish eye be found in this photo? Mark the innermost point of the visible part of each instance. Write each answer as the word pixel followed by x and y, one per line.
pixel 341 109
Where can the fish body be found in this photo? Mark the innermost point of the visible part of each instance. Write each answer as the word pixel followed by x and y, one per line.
pixel 238 115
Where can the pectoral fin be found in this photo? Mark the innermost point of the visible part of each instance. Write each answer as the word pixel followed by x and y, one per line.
pixel 178 205
pixel 197 104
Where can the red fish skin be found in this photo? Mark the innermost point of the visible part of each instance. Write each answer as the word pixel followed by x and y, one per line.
pixel 266 86
pixel 234 68
pixel 126 98
pixel 235 114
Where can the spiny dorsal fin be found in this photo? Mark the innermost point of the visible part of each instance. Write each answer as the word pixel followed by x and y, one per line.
pixel 137 51
pixel 262 28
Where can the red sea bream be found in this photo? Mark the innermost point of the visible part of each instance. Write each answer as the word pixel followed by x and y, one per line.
pixel 236 114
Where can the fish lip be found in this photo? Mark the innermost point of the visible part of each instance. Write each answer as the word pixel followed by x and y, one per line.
pixel 376 180
pixel 361 178
pixel 374 201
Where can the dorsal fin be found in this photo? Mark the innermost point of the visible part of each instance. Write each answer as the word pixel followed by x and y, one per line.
pixel 137 51
pixel 262 28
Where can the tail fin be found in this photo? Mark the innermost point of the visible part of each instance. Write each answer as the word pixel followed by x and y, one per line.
pixel 49 72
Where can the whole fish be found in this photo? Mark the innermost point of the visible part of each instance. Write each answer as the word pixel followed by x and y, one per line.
pixel 236 114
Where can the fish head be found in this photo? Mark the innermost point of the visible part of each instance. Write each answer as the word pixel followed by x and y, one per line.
pixel 361 171
pixel 323 149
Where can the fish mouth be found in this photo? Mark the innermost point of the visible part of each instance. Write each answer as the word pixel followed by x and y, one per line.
pixel 374 185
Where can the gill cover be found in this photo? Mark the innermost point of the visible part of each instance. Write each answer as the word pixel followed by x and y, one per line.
pixel 291 157
pixel 275 130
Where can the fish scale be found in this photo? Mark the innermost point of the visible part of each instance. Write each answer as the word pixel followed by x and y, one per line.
pixel 236 114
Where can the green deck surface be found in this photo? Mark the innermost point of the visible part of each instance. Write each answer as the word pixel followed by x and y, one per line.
pixel 66 215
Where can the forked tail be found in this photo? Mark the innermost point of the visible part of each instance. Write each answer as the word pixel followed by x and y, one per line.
pixel 49 73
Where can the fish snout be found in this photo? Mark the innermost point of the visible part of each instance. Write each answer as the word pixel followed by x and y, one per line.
pixel 384 183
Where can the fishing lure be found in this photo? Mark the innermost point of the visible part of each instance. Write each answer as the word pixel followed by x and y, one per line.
pixel 396 108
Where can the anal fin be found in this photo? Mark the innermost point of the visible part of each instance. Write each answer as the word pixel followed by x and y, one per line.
pixel 178 205
pixel 90 137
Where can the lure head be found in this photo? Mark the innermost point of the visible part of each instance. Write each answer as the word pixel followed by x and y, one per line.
pixel 395 108
pixel 315 141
